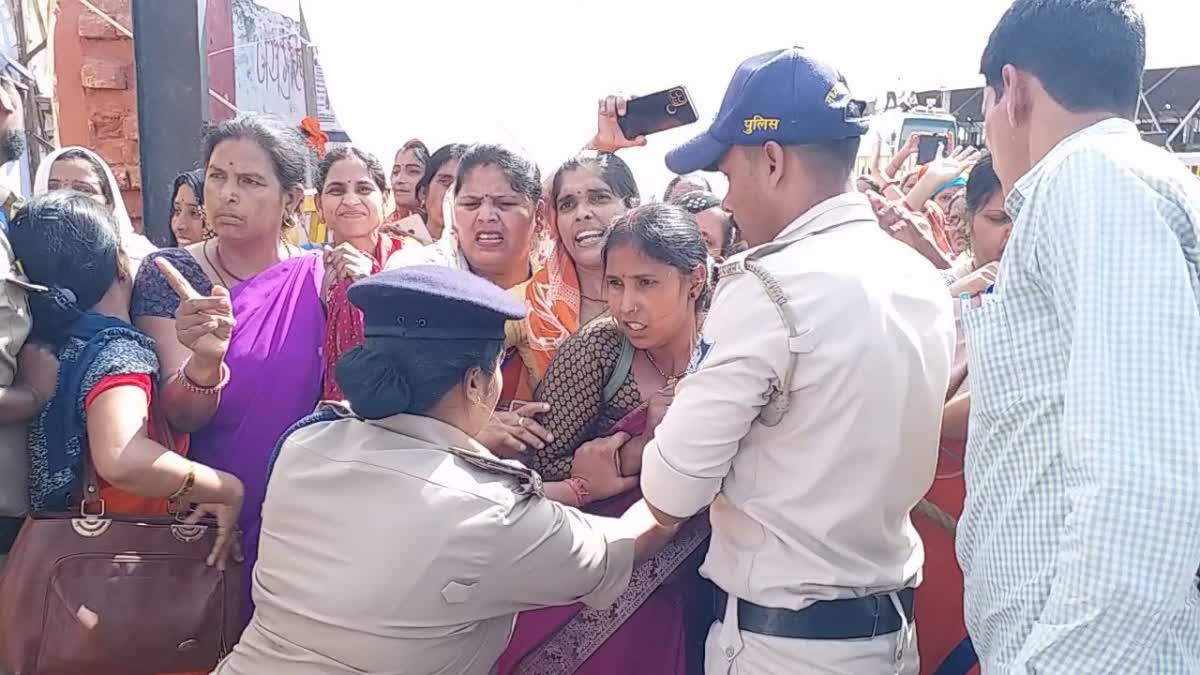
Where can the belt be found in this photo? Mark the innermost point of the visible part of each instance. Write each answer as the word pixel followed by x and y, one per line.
pixel 849 619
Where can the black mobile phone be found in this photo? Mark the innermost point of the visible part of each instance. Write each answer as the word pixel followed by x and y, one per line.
pixel 929 147
pixel 657 112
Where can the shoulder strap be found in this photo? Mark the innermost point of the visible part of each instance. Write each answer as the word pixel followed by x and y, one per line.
pixel 780 393
pixel 529 482
pixel 621 371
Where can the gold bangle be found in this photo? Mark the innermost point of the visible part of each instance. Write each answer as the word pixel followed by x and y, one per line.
pixel 185 489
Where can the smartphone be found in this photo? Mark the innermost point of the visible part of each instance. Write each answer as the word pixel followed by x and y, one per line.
pixel 657 112
pixel 929 148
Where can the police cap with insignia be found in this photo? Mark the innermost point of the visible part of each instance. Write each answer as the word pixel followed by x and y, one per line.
pixel 424 328
pixel 433 303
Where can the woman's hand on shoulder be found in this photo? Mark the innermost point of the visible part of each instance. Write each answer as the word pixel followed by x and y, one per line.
pixel 596 463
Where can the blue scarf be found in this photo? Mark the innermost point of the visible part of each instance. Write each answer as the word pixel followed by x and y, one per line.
pixel 96 347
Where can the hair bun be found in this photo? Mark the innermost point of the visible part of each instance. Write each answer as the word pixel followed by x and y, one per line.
pixel 373 384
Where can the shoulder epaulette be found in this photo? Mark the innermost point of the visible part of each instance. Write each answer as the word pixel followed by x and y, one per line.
pixel 529 482
pixel 339 408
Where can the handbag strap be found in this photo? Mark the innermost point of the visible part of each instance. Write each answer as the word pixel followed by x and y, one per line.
pixel 621 371
pixel 90 502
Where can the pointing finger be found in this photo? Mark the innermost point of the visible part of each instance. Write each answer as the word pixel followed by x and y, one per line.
pixel 177 281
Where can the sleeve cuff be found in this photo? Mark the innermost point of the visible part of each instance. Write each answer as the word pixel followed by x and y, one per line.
pixel 619 563
pixel 671 491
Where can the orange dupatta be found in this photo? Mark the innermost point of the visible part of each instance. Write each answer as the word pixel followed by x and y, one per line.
pixel 554 302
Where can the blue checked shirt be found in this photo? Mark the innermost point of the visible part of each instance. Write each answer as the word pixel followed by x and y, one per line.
pixel 1080 537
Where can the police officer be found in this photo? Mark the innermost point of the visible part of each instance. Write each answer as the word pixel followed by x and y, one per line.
pixel 22 399
pixel 14 81
pixel 810 420
pixel 394 543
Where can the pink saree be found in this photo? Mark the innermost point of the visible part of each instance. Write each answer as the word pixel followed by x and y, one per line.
pixel 644 632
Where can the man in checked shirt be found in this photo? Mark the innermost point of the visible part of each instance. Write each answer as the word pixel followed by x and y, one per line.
pixel 1080 539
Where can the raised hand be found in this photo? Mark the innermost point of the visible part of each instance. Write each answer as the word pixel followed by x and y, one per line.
pixel 945 169
pixel 203 324
pixel 609 137
pixel 909 227
pixel 345 261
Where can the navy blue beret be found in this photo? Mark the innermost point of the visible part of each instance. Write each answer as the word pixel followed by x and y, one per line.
pixel 433 303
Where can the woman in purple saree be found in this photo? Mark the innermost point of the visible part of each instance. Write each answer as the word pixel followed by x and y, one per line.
pixel 237 319
pixel 617 374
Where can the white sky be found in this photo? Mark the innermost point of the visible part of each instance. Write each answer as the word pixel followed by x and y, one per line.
pixel 528 72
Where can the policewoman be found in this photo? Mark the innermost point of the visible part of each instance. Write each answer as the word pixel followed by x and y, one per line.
pixel 814 434
pixel 394 543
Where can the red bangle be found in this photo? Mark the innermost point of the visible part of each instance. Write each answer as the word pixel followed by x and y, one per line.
pixel 190 385
pixel 579 489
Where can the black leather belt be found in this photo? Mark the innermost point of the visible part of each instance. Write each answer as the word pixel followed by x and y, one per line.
pixel 849 619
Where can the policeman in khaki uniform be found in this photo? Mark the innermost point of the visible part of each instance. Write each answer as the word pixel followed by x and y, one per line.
pixel 394 543
pixel 810 420
pixel 15 321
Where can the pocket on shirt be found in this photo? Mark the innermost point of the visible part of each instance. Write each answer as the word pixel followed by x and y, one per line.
pixel 993 360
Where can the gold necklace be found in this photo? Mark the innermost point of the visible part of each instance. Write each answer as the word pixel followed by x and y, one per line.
pixel 670 379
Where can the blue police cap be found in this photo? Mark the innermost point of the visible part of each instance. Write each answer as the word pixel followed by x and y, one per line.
pixel 787 96
pixel 433 303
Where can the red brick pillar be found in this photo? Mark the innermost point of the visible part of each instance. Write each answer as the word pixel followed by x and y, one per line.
pixel 96 90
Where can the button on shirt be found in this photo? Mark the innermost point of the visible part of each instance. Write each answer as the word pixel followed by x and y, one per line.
pixel 817 507
pixel 383 553
pixel 1080 537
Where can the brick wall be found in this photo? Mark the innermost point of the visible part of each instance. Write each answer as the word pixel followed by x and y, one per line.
pixel 96 90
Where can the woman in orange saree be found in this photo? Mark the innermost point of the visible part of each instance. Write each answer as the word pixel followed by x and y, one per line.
pixel 587 193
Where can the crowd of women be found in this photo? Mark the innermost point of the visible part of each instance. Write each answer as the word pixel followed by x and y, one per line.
pixel 178 370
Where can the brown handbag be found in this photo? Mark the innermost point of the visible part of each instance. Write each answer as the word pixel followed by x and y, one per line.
pixel 91 593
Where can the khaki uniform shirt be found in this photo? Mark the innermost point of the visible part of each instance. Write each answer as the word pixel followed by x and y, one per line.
pixel 816 507
pixel 402 546
pixel 15 323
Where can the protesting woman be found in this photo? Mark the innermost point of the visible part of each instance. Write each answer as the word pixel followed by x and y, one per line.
pixel 351 190
pixel 617 376
pixel 497 207
pixel 587 194
pixel 105 400
pixel 83 171
pixel 187 209
pixel 237 319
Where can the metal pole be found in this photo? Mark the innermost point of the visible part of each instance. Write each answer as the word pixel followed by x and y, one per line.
pixel 310 68
pixel 1182 124
pixel 172 101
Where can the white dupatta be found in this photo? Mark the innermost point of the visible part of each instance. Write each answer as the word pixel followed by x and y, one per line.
pixel 136 246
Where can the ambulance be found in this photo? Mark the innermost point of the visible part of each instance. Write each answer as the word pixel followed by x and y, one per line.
pixel 890 130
